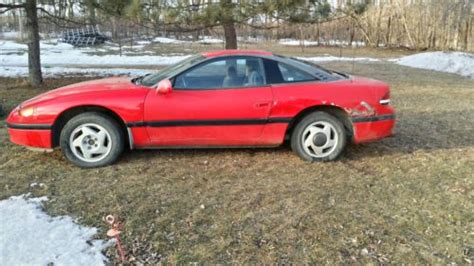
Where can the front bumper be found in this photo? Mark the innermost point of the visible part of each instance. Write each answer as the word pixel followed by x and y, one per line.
pixel 373 128
pixel 36 136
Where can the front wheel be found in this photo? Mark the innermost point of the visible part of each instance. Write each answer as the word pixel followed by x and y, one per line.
pixel 91 140
pixel 319 137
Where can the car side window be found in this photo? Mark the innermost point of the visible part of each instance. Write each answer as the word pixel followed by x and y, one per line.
pixel 229 72
pixel 292 74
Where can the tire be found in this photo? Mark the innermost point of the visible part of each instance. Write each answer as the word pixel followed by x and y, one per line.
pixel 319 136
pixel 91 140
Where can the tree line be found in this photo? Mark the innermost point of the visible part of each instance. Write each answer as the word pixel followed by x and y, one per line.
pixel 415 24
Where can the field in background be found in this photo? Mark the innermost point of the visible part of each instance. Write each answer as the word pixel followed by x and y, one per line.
pixel 144 56
pixel 406 199
pixel 343 51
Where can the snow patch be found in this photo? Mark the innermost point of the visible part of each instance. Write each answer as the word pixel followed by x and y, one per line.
pixel 210 40
pixel 54 54
pixel 203 40
pixel 28 236
pixel 35 184
pixel 451 62
pixel 73 71
pixel 166 40
pixel 294 42
pixel 11 45
pixel 329 58
pixel 10 34
pixel 143 42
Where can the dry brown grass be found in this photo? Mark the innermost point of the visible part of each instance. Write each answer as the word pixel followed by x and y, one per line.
pixel 406 199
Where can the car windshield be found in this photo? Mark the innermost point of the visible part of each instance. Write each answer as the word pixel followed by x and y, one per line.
pixel 152 79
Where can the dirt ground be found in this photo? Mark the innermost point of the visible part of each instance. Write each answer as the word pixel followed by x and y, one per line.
pixel 406 199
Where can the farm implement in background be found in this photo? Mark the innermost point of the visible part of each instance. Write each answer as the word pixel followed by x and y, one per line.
pixel 87 36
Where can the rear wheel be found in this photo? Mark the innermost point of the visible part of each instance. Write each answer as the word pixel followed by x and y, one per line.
pixel 319 137
pixel 92 140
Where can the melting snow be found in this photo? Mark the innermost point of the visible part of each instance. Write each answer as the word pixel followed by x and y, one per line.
pixel 64 59
pixel 14 54
pixel 166 40
pixel 28 236
pixel 451 62
pixel 294 42
pixel 11 45
pixel 10 34
pixel 210 40
pixel 328 58
pixel 203 40
pixel 73 71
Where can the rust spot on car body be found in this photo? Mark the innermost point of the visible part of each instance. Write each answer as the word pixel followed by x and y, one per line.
pixel 362 109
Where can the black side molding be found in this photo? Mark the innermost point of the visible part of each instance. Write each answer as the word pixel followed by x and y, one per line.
pixel 29 126
pixel 372 118
pixel 184 123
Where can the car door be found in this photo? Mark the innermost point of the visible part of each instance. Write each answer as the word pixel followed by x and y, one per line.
pixel 211 104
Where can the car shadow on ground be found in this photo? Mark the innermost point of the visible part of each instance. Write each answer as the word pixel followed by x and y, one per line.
pixel 413 132
pixel 422 131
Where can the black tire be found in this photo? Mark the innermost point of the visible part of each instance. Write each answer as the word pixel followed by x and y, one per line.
pixel 313 118
pixel 110 125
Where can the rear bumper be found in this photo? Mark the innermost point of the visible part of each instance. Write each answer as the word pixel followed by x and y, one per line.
pixel 373 128
pixel 35 136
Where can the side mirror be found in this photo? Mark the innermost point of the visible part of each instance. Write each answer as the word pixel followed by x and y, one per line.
pixel 164 87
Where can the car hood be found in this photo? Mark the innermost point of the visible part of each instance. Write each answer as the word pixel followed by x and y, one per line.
pixel 116 83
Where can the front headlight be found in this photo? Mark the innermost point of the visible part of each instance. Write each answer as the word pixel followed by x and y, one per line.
pixel 27 111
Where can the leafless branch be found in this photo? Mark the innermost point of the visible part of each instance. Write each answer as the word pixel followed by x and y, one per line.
pixel 53 17
pixel 8 7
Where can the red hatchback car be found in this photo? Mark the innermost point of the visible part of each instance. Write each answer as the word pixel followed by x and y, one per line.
pixel 230 98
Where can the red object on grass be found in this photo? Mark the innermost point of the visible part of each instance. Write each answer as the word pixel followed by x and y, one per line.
pixel 114 232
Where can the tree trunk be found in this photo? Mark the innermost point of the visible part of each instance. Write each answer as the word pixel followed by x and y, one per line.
pixel 389 31
pixel 230 35
pixel 34 63
pixel 114 28
pixel 21 24
pixel 90 6
pixel 70 9
pixel 228 24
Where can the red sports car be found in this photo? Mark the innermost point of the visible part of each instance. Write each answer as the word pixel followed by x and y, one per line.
pixel 230 98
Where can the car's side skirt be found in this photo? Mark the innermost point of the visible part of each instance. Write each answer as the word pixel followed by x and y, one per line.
pixel 205 147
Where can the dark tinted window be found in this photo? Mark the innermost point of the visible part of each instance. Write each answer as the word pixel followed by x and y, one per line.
pixel 273 72
pixel 278 72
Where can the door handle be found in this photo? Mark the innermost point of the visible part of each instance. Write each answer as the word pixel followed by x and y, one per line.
pixel 262 104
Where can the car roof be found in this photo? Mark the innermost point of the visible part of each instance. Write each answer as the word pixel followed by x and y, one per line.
pixel 235 52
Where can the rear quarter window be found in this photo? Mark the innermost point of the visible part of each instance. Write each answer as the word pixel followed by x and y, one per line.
pixel 279 72
pixel 292 74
